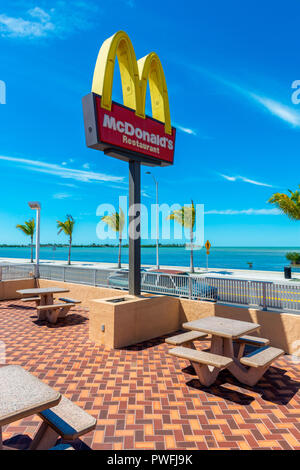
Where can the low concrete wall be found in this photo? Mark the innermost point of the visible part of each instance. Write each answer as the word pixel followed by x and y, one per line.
pixel 8 288
pixel 167 314
pixel 190 310
pixel 283 329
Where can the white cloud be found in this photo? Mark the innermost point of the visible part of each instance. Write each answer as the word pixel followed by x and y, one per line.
pixel 62 172
pixel 62 19
pixel 229 178
pixel 61 196
pixel 245 212
pixel 86 166
pixel 245 180
pixel 257 183
pixel 18 27
pixel 69 185
pixel 39 13
pixel 190 131
pixel 187 130
pixel 286 113
pixel 283 112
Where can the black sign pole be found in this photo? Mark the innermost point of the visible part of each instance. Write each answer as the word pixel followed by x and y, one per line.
pixel 134 227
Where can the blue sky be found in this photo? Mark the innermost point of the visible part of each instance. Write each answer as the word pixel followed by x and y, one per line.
pixel 229 67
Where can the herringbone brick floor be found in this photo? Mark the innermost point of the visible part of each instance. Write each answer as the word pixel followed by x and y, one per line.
pixel 142 397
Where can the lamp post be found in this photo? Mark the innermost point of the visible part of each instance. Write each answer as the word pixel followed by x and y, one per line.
pixel 157 218
pixel 37 206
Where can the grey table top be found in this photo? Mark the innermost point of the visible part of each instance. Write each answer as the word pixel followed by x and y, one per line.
pixel 42 291
pixel 224 327
pixel 22 394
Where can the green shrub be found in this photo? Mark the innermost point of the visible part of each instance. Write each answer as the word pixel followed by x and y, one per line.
pixel 293 257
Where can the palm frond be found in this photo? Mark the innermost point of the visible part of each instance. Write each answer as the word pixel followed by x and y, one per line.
pixel 185 216
pixel 28 227
pixel 287 204
pixel 66 227
pixel 115 221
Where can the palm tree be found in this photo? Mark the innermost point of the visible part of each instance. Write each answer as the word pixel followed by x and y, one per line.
pixel 28 229
pixel 67 227
pixel 186 217
pixel 289 204
pixel 116 222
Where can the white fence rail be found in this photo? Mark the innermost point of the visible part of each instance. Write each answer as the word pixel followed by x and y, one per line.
pixel 92 277
pixel 267 295
pixel 16 271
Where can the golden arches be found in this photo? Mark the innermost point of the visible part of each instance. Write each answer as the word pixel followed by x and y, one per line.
pixel 134 77
pixel 150 68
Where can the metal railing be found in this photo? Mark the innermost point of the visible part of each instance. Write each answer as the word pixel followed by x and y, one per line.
pixel 266 295
pixel 16 271
pixel 89 276
pixel 195 288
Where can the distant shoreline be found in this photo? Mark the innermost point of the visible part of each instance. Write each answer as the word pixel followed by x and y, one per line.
pixel 126 245
pixel 231 273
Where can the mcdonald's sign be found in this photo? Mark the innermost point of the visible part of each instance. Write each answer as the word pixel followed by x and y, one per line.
pixel 123 130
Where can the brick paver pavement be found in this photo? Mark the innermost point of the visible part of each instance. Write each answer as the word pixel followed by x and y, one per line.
pixel 142 397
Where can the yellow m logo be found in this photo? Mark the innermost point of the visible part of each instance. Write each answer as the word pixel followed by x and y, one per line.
pixel 134 76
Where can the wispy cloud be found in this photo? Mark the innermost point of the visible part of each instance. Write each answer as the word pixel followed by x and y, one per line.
pixel 245 212
pixel 186 130
pixel 61 19
pixel 190 131
pixel 61 196
pixel 145 194
pixel 68 185
pixel 30 28
pixel 228 178
pixel 245 180
pixel 61 171
pixel 282 111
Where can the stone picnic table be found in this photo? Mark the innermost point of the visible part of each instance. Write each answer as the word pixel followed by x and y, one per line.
pixel 43 296
pixel 45 293
pixel 224 332
pixel 22 395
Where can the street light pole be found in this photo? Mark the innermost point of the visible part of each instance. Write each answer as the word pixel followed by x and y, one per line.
pixel 157 219
pixel 37 206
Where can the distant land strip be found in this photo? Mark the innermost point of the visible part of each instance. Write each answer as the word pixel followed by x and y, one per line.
pixel 93 245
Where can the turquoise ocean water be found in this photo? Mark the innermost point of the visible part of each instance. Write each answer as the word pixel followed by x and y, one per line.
pixel 270 259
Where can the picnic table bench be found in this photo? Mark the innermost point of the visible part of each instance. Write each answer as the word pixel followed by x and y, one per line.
pixel 206 365
pixel 53 312
pixel 22 395
pixel 224 332
pixel 186 339
pixel 44 299
pixel 66 420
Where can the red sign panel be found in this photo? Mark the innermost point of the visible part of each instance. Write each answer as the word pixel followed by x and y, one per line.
pixel 121 127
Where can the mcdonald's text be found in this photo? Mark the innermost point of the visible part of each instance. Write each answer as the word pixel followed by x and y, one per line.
pixel 121 127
